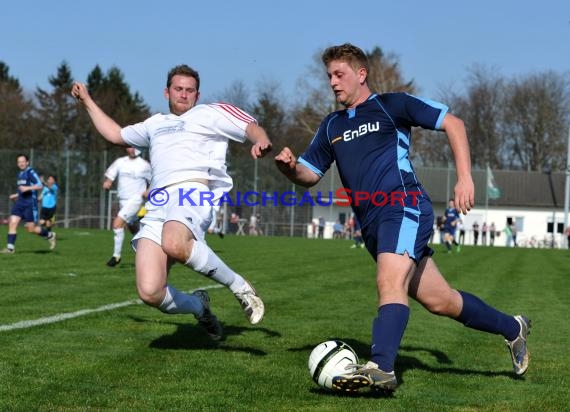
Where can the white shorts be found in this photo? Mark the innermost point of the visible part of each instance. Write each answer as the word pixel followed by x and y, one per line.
pixel 167 204
pixel 214 222
pixel 129 209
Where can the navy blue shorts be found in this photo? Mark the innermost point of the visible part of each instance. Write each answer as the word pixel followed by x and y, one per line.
pixel 27 211
pixel 450 231
pixel 47 213
pixel 400 230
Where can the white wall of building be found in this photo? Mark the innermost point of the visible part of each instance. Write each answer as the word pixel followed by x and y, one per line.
pixel 531 224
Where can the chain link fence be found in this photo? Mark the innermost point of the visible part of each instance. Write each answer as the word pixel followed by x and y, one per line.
pixel 259 190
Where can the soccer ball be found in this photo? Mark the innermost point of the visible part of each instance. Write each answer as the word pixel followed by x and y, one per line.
pixel 330 359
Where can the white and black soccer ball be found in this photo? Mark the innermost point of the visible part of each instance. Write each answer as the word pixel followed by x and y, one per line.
pixel 330 359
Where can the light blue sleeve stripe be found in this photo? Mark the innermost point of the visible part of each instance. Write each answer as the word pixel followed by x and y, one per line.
pixel 37 177
pixel 440 118
pixel 310 166
pixel 444 109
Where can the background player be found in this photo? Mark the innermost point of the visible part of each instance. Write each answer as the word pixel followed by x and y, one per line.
pixel 133 175
pixel 451 217
pixel 26 206
pixel 369 141
pixel 48 198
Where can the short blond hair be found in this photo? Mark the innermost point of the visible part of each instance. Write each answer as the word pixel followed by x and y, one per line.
pixel 348 53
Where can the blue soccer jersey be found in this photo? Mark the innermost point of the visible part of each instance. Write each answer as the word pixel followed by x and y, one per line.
pixel 370 145
pixel 49 196
pixel 451 218
pixel 28 177
pixel 26 207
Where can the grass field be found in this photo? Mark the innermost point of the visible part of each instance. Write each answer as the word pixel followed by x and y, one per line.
pixel 126 356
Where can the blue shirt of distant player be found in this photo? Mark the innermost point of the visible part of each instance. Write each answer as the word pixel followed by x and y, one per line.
pixel 370 145
pixel 49 196
pixel 28 177
pixel 451 218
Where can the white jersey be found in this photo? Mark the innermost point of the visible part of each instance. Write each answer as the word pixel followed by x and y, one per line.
pixel 134 176
pixel 192 145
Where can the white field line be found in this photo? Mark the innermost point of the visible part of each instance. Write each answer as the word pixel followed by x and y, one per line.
pixel 24 324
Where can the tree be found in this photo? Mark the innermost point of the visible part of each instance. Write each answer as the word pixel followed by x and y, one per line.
pixel 272 116
pixel 536 116
pixel 15 110
pixel 511 124
pixel 114 96
pixel 54 112
pixel 385 74
pixel 481 108
pixel 236 94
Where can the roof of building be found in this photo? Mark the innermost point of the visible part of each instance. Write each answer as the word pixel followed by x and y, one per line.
pixel 518 188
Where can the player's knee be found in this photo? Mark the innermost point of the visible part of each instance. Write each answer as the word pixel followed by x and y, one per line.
pixel 175 249
pixel 440 306
pixel 118 223
pixel 150 296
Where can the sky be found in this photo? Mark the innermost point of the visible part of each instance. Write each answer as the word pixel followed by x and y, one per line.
pixel 258 42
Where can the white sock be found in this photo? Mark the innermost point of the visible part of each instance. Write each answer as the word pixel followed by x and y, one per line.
pixel 178 302
pixel 119 237
pixel 203 260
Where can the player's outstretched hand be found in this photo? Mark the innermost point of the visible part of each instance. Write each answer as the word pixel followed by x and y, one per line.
pixel 79 91
pixel 286 161
pixel 261 148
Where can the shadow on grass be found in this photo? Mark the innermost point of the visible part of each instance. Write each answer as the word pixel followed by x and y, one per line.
pixel 192 336
pixel 365 394
pixel 405 361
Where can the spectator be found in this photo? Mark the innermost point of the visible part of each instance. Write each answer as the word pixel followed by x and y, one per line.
pixel 514 233
pixel 461 228
pixel 321 227
pixel 234 219
pixel 253 225
pixel 508 236
pixel 475 233
pixel 337 230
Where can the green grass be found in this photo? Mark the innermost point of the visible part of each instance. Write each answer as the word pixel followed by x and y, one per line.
pixel 136 358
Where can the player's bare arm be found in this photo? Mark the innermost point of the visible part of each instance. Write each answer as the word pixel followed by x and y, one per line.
pixel 106 126
pixel 261 143
pixel 464 188
pixel 107 183
pixel 286 162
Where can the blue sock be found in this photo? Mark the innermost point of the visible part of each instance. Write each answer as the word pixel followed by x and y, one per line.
pixel 11 239
pixel 44 232
pixel 476 314
pixel 387 332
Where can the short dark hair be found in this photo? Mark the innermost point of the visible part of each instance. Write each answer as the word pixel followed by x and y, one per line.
pixel 25 156
pixel 346 52
pixel 183 70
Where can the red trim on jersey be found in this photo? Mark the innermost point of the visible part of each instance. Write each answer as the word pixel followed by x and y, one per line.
pixel 235 112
